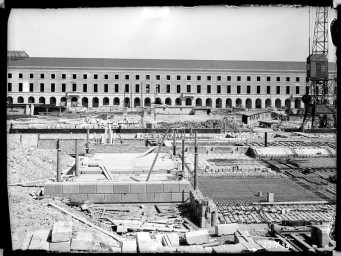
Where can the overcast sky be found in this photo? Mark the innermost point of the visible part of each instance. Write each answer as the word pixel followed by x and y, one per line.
pixel 211 33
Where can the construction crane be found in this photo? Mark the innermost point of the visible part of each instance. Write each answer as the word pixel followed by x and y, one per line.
pixel 320 94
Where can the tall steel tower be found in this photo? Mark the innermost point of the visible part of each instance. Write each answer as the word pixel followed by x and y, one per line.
pixel 320 95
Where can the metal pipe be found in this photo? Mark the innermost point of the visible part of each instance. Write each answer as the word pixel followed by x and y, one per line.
pixel 59 163
pixel 183 153
pixel 87 150
pixel 196 161
pixel 58 144
pixel 174 144
pixel 266 139
pixel 76 158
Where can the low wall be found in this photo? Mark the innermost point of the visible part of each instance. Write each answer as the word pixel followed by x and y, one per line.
pixel 121 192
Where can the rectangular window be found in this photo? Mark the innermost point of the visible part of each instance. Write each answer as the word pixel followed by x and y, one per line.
pixel 95 87
pixel 288 79
pixel 248 89
pixel 188 88
pixel 106 76
pixel 31 76
pixel 218 88
pixel 147 88
pixel 106 88
pixel 278 79
pixel 258 89
pixel 288 90
pixel 41 87
pixel 137 88
pixel 74 87
pixel 239 78
pixel 178 88
pixel 199 78
pixel 208 88
pixel 229 89
pixel 178 77
pixel 31 87
pixel 53 76
pixel 228 78
pixel 85 88
pixel 157 77
pixel 20 87
pixel 147 77
pixel 268 89
pixel 95 76
pixel 168 77
pixel 63 87
pixel 297 90
pixel 20 75
pixel 126 87
pixel 188 78
pixel 137 77
pixel 248 78
pixel 127 77
pixel 258 78
pixel 9 75
pixel 116 87
pixel 53 87
pixel 168 88
pixel 63 76
pixel 157 88
pixel 117 77
pixel 238 89
pixel 218 78
pixel 297 79
pixel 198 88
pixel 208 78
pixel 268 78
pixel 74 76
pixel 9 87
pixel 85 76
pixel 42 76
pixel 278 90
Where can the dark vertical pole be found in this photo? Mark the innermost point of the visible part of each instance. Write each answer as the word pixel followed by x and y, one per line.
pixel 224 127
pixel 87 140
pixel 266 139
pixel 76 158
pixel 196 159
pixel 183 153
pixel 10 129
pixel 59 163
pixel 174 144
pixel 58 144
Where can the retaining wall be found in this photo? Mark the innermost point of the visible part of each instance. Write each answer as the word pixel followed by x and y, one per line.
pixel 121 192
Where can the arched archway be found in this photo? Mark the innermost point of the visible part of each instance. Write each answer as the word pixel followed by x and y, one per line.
pixel 31 100
pixel 63 101
pixel 158 101
pixel 9 100
pixel 288 103
pixel 248 103
pixel 209 102
pixel 218 103
pixel 127 102
pixel 297 103
pixel 137 102
pixel 95 102
pixel 168 101
pixel 53 101
pixel 116 101
pixel 147 102
pixel 278 103
pixel 238 102
pixel 258 103
pixel 20 99
pixel 74 99
pixel 42 100
pixel 198 102
pixel 105 101
pixel 228 103
pixel 188 102
pixel 178 102
pixel 85 102
pixel 268 103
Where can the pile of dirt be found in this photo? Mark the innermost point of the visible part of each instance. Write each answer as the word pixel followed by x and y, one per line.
pixel 30 164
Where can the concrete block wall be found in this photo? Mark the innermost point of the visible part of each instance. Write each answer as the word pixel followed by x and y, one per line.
pixel 122 192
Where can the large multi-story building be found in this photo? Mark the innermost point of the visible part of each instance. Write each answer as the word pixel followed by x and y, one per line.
pixel 142 82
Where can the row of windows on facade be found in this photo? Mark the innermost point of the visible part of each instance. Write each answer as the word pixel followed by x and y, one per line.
pixel 157 88
pixel 158 77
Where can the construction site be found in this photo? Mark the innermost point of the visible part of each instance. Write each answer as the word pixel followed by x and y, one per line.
pixel 225 181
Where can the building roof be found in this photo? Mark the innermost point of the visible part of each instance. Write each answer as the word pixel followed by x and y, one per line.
pixel 16 55
pixel 169 64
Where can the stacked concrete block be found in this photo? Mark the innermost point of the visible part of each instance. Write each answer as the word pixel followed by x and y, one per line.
pixel 82 242
pixel 145 244
pixel 170 239
pixel 129 246
pixel 319 235
pixel 226 229
pixel 200 236
pixel 39 240
pixel 61 236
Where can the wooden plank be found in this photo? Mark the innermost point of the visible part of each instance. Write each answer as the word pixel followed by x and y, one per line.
pixel 190 223
pixel 147 152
